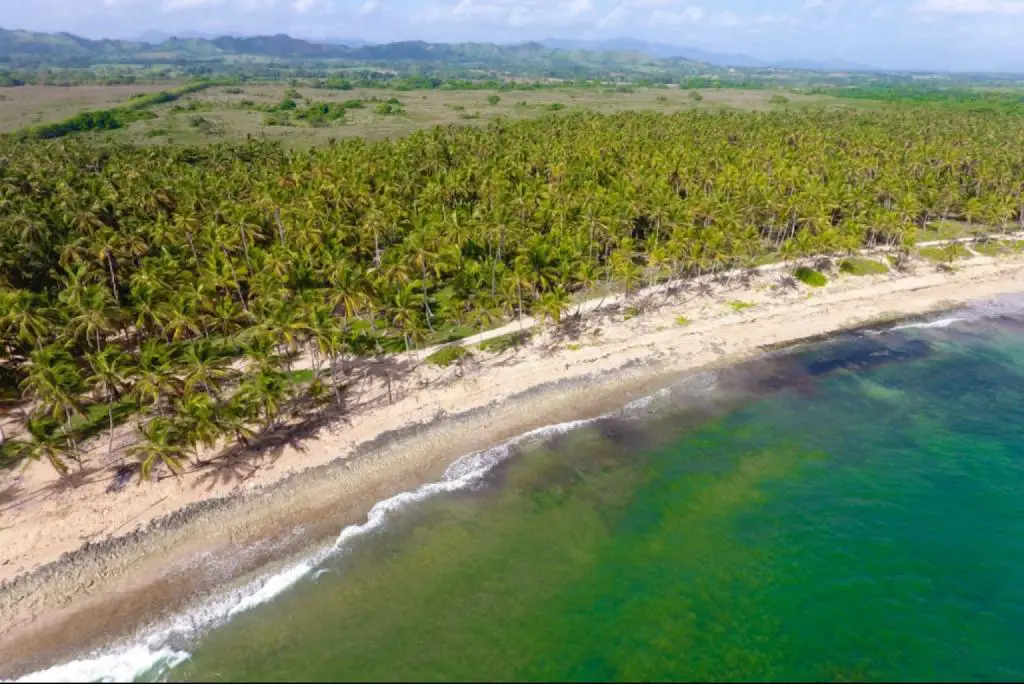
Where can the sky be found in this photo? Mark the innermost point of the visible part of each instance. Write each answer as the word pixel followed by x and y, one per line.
pixel 958 35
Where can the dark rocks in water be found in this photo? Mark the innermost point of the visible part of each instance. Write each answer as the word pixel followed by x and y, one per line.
pixel 868 355
pixel 622 432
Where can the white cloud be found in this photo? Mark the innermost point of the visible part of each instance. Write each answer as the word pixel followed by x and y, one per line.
pixel 811 4
pixel 728 19
pixel 368 7
pixel 514 14
pixel 971 6
pixel 174 5
pixel 687 15
pixel 616 16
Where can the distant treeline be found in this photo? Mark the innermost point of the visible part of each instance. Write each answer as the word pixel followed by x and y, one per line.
pixel 966 98
pixel 135 109
pixel 76 77
pixel 421 82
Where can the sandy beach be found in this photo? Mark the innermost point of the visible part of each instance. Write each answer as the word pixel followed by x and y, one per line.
pixel 85 561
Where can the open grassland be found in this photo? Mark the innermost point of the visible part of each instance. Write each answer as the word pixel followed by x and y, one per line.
pixel 30 105
pixel 233 113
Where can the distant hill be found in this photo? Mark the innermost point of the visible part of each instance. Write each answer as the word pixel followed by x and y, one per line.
pixel 26 47
pixel 657 50
pixel 665 51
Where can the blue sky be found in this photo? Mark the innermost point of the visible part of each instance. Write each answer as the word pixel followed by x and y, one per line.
pixel 939 34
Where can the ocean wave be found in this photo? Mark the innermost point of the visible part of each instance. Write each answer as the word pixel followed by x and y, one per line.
pixel 940 323
pixel 124 665
pixel 165 646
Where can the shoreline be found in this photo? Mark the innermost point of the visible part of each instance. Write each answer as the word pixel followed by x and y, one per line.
pixel 191 546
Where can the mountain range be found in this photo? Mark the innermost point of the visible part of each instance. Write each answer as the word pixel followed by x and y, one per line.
pixel 665 51
pixel 26 48
pixel 654 50
pixel 29 47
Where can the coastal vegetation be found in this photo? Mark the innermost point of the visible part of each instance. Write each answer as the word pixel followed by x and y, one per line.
pixel 210 294
pixel 810 276
pixel 859 266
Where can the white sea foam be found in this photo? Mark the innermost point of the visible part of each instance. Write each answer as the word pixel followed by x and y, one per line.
pixel 940 323
pixel 163 648
pixel 116 666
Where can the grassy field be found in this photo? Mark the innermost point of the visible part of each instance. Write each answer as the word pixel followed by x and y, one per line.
pixel 29 105
pixel 223 113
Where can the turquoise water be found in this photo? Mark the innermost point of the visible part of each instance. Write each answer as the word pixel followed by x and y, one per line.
pixel 851 511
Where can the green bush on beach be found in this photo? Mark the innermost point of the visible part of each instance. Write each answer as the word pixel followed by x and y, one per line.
pixel 446 356
pixel 859 266
pixel 809 276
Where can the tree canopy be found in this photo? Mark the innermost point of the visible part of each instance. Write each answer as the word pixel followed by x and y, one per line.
pixel 146 277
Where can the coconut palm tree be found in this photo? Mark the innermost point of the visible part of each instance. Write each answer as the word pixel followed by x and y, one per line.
pixel 109 371
pixel 55 384
pixel 161 444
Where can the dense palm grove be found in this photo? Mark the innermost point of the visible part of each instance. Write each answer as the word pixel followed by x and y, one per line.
pixel 178 284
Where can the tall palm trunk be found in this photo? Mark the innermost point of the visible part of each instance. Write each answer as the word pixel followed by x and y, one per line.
pixel 110 415
pixel 72 444
pixel 113 278
pixel 334 381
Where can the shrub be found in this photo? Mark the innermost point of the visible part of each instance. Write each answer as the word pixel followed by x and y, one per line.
pixel 276 120
pixel 695 96
pixel 945 254
pixel 446 356
pixel 556 106
pixel 808 276
pixel 503 343
pixel 493 99
pixel 320 113
pixel 779 99
pixel 683 321
pixel 859 266
pixel 389 109
pixel 739 306
pixel 233 91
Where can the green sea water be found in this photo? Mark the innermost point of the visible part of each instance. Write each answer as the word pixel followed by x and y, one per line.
pixel 853 510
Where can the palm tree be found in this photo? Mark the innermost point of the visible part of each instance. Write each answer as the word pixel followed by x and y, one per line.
pixel 110 369
pixel 325 336
pixel 46 444
pixel 236 418
pixel 53 381
pixel 23 318
pixel 153 374
pixel 205 366
pixel 94 317
pixel 267 391
pixel 404 312
pixel 197 420
pixel 552 305
pixel 160 443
